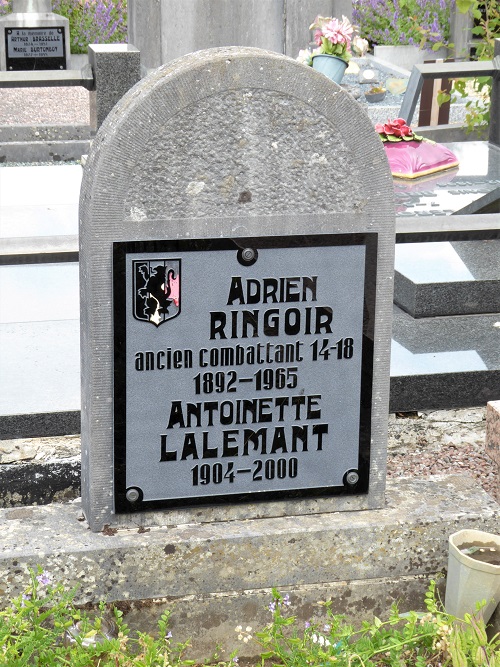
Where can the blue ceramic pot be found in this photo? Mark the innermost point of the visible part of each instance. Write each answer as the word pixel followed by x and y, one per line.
pixel 331 66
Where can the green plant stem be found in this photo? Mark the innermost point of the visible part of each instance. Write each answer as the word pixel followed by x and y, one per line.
pixel 412 640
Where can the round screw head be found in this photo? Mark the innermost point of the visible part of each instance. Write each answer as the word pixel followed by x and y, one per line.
pixel 132 495
pixel 352 478
pixel 248 254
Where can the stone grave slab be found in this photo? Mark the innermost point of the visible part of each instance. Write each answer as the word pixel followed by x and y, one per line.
pixel 450 362
pixel 448 278
pixel 214 575
pixel 467 189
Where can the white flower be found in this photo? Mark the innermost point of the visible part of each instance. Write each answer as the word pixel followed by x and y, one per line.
pixel 359 46
pixel 319 639
pixel 304 57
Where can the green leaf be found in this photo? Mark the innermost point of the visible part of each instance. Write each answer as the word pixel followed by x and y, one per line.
pixel 464 5
pixel 443 96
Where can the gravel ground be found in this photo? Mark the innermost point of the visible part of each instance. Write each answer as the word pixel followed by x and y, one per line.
pixel 47 106
pixel 442 443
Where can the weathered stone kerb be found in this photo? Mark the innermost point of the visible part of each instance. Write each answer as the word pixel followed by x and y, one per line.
pixel 221 573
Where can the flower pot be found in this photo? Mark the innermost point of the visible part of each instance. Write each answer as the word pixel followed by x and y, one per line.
pixel 471 580
pixel 331 66
pixel 375 97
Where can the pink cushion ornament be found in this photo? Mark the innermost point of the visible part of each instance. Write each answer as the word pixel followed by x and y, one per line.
pixel 411 156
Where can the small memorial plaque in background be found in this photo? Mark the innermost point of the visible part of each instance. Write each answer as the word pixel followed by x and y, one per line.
pixel 243 369
pixel 35 48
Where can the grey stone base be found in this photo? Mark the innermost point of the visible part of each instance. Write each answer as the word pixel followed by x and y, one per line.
pixel 42 424
pixel 43 143
pixel 214 617
pixel 428 294
pixel 426 392
pixel 219 575
pixel 39 483
pixel 38 151
pixel 431 368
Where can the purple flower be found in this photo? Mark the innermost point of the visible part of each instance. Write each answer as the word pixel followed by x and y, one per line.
pixel 43 578
pixel 397 22
pixel 307 624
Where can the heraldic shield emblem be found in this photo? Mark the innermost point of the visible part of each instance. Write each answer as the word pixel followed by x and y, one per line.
pixel 156 290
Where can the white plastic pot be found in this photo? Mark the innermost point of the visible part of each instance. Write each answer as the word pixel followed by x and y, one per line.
pixel 470 580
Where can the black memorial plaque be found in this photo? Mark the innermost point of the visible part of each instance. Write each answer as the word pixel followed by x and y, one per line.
pixel 35 48
pixel 243 369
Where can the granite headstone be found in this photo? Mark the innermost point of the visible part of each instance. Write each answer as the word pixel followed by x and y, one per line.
pixel 33 37
pixel 237 240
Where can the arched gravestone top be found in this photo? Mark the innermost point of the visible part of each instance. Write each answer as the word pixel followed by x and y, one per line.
pixel 229 142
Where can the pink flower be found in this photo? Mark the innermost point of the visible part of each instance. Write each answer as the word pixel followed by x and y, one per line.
pixel 338 32
pixel 397 127
pixel 318 36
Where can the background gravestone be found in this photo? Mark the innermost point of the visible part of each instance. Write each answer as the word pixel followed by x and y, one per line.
pixel 166 29
pixel 226 144
pixel 32 37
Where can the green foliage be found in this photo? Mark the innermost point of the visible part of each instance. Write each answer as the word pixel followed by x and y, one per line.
pixel 422 23
pixel 94 21
pixel 404 640
pixel 486 15
pixel 44 628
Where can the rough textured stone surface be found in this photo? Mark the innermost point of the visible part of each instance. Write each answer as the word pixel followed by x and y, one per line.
pixel 493 430
pixel 39 449
pixel 214 617
pixel 226 143
pixel 35 424
pixel 435 429
pixel 43 143
pixel 210 167
pixel 116 68
pixel 218 575
pixel 39 483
